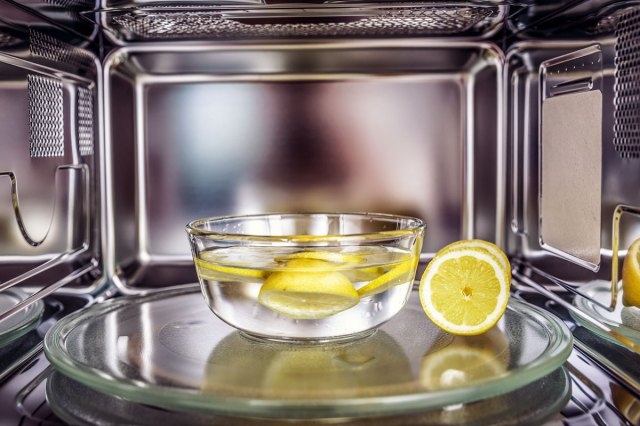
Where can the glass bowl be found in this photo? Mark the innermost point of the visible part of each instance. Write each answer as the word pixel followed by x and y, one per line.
pixel 308 276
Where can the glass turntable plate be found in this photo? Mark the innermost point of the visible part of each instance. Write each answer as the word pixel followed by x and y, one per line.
pixel 168 350
pixel 532 404
pixel 622 319
pixel 20 323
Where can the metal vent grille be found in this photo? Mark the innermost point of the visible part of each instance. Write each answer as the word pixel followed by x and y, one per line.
pixel 627 86
pixel 84 4
pixel 85 120
pixel 46 120
pixel 441 20
pixel 47 47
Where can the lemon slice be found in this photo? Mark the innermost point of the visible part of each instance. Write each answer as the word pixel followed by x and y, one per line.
pixel 395 276
pixel 308 291
pixel 464 291
pixel 215 272
pixel 631 276
pixel 458 365
pixel 330 256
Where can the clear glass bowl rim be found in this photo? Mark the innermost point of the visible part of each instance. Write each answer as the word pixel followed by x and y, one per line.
pixel 415 226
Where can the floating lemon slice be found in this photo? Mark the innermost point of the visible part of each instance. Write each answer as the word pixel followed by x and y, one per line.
pixel 395 276
pixel 465 290
pixel 631 276
pixel 459 365
pixel 218 272
pixel 310 290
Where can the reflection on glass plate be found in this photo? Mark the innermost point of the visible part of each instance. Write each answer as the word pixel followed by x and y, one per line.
pixel 467 359
pixel 624 320
pixel 23 321
pixel 532 404
pixel 170 351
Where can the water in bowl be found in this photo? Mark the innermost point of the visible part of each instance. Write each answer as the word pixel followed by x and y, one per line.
pixel 306 294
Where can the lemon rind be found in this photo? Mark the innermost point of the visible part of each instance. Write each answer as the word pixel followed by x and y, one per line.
pixel 631 276
pixel 378 285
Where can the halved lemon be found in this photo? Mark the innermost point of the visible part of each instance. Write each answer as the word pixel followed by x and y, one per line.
pixel 464 291
pixel 631 276
pixel 309 290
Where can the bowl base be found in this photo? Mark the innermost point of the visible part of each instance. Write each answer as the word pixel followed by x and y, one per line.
pixel 309 341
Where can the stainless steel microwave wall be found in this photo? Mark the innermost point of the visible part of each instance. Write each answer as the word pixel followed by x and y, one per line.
pixel 356 126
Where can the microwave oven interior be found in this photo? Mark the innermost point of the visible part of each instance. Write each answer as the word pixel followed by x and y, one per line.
pixel 510 121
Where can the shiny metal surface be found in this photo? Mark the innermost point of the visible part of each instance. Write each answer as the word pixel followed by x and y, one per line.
pixel 173 22
pixel 207 131
pixel 617 187
pixel 50 185
pixel 49 202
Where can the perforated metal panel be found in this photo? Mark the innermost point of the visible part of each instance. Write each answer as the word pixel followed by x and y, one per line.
pixel 441 20
pixel 85 120
pixel 627 85
pixel 46 121
pixel 47 47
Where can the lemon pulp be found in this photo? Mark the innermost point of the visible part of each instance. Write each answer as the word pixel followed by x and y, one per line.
pixel 486 246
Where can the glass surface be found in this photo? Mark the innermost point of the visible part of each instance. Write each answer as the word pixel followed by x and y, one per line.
pixel 167 350
pixel 624 320
pixel 317 276
pixel 21 322
pixel 531 404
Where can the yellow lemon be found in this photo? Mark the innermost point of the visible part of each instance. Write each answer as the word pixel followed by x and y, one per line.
pixel 631 276
pixel 309 290
pixel 464 291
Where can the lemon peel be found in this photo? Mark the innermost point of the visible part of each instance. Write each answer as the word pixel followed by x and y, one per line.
pixel 212 271
pixel 631 276
pixel 394 276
